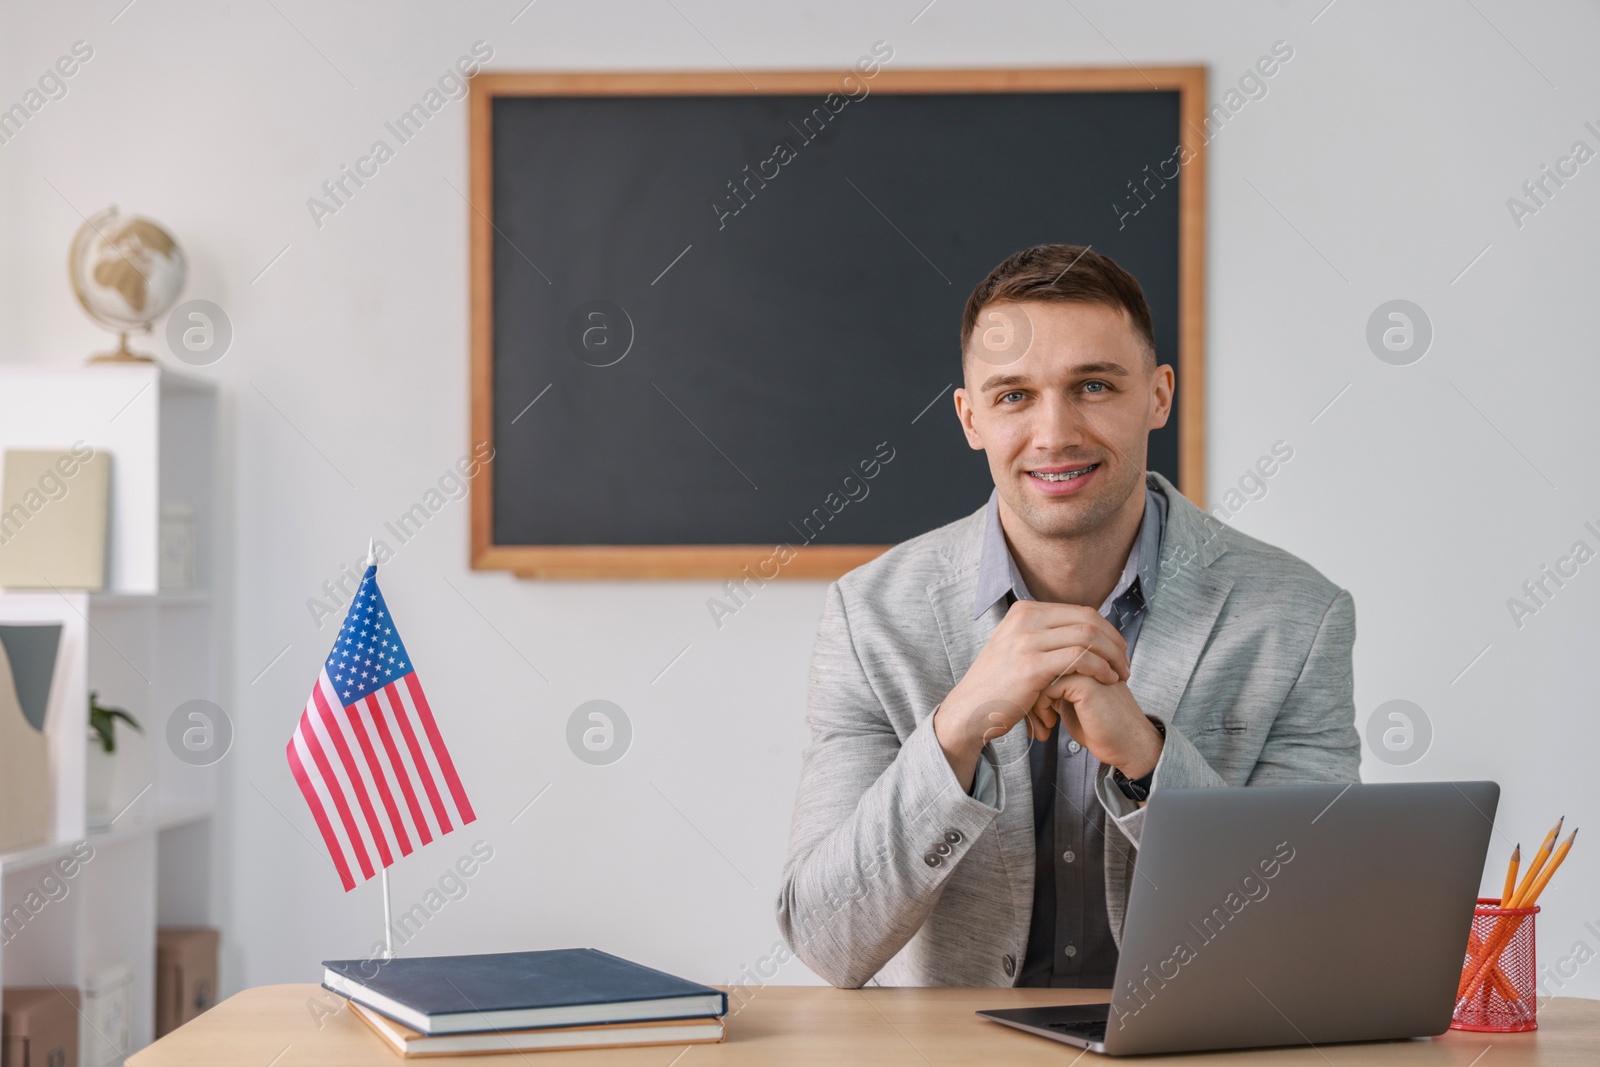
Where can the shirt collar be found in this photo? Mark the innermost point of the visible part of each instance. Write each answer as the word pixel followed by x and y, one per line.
pixel 997 569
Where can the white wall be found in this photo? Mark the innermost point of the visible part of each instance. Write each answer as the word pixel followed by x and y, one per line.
pixel 1377 167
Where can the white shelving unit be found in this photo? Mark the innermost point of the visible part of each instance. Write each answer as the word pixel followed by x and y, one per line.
pixel 140 648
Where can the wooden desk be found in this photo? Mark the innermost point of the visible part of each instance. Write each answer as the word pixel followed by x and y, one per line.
pixel 816 1025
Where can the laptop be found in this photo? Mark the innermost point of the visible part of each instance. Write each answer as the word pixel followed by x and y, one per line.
pixel 1289 915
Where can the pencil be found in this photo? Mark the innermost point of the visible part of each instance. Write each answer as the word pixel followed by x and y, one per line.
pixel 1497 977
pixel 1532 896
pixel 1511 877
pixel 1538 861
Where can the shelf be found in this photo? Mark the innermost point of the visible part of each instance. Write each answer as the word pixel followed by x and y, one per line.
pixel 49 851
pixel 35 855
pixel 168 598
pixel 121 834
pixel 29 856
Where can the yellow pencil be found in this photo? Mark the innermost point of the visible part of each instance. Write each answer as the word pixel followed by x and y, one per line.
pixel 1544 877
pixel 1511 877
pixel 1497 977
pixel 1538 862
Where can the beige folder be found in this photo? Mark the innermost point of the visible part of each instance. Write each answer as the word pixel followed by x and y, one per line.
pixel 53 519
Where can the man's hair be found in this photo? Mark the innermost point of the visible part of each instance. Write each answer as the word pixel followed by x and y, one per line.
pixel 1061 274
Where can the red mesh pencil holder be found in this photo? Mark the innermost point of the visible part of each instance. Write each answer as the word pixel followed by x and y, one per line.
pixel 1498 992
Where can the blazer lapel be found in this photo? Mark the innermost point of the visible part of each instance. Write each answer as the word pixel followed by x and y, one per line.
pixel 1174 634
pixel 1181 610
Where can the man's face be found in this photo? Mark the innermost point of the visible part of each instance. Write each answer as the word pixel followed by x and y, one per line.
pixel 1066 425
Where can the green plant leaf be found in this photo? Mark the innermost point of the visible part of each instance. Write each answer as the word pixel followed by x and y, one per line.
pixel 103 721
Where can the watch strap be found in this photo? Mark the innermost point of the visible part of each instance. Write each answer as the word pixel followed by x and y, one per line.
pixel 1137 788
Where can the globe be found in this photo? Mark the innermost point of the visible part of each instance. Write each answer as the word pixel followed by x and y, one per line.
pixel 126 271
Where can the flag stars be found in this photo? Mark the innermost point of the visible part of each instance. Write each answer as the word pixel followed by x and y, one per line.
pixel 366 653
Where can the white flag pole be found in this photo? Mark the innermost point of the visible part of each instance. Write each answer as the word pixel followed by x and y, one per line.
pixel 388 929
pixel 388 926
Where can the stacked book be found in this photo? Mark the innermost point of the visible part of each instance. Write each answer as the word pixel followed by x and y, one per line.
pixel 525 1001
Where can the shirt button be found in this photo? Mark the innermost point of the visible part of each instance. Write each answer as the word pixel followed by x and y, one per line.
pixel 932 860
pixel 1069 855
pixel 953 836
pixel 942 849
pixel 1073 747
pixel 1009 962
pixel 1071 950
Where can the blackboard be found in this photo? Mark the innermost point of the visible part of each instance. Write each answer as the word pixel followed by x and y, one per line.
pixel 692 346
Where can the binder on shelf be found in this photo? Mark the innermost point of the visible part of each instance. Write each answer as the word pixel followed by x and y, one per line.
pixel 53 519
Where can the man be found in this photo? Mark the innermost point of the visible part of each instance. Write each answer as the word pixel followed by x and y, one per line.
pixel 991 702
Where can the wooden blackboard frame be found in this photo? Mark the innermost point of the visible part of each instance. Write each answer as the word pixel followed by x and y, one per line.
pixel 809 561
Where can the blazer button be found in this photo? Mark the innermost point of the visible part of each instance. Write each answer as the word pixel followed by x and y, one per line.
pixel 932 860
pixel 953 836
pixel 942 849
pixel 1009 962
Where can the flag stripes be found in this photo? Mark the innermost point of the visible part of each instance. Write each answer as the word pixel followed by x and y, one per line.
pixel 367 753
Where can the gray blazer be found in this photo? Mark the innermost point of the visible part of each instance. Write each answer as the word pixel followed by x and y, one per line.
pixel 895 872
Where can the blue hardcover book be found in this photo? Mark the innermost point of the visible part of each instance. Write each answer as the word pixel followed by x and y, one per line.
pixel 519 990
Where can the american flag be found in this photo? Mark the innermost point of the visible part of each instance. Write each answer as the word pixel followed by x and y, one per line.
pixel 367 745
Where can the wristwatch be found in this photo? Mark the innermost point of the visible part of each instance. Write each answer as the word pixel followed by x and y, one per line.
pixel 1137 788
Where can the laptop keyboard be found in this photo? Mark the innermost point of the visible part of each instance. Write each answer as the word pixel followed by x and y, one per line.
pixel 1089 1029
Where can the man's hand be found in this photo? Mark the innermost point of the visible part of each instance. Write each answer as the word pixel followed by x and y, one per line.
pixel 1031 653
pixel 1105 719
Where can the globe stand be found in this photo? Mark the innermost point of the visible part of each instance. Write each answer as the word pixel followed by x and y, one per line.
pixel 123 354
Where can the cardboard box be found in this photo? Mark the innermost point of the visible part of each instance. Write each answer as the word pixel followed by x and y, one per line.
pixel 40 1027
pixel 186 974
